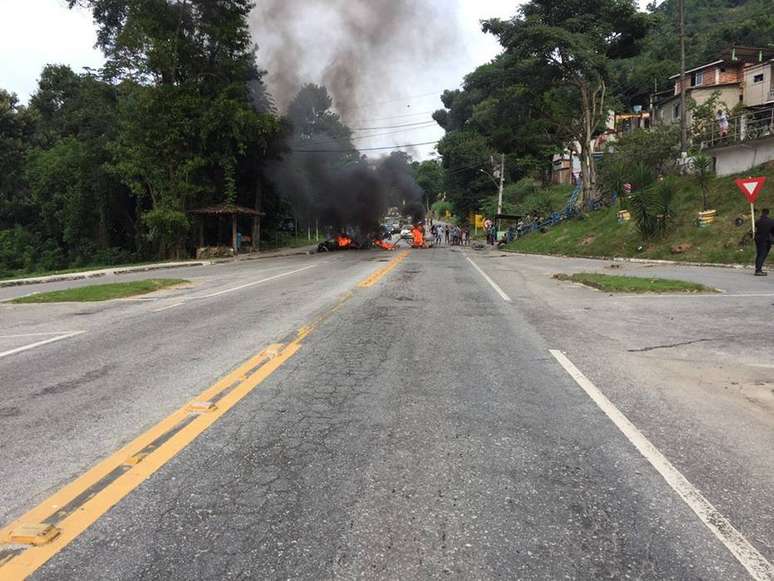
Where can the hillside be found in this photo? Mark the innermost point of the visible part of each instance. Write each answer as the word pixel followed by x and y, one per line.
pixel 711 26
pixel 600 234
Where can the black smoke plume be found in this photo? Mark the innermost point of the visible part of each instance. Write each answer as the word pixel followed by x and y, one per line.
pixel 326 182
pixel 359 49
pixel 322 176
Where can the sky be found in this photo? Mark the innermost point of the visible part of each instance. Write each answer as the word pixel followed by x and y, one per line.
pixel 37 32
pixel 34 33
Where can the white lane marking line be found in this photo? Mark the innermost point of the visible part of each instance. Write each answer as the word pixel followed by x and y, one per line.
pixel 162 309
pixel 138 300
pixel 492 283
pixel 755 563
pixel 696 296
pixel 33 335
pixel 40 343
pixel 254 283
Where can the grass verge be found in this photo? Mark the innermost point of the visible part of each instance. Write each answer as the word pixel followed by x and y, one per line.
pixel 101 292
pixel 633 284
pixel 727 241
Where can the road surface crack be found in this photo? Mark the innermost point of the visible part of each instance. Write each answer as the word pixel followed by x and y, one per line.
pixel 670 345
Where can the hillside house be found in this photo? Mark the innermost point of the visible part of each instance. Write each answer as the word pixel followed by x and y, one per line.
pixel 757 86
pixel 565 168
pixel 741 76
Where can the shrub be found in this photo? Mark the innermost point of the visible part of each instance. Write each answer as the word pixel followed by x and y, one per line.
pixel 702 169
pixel 441 207
pixel 17 250
pixel 651 209
pixel 637 158
pixel 166 227
pixel 523 188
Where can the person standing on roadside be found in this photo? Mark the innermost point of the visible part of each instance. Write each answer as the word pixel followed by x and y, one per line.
pixel 764 234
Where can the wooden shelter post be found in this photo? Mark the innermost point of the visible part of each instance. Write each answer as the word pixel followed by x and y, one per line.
pixel 234 234
pixel 256 232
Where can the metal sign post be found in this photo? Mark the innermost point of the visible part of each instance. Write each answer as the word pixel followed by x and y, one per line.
pixel 751 188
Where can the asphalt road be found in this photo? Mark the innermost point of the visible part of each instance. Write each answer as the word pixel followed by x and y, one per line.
pixel 424 429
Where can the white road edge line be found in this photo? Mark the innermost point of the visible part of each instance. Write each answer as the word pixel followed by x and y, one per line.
pixel 34 335
pixel 492 283
pixel 254 283
pixel 40 343
pixel 697 296
pixel 756 564
pixel 162 309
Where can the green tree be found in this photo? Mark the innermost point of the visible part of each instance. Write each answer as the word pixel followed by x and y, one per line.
pixel 574 43
pixel 76 122
pixel 16 129
pixel 502 102
pixel 429 175
pixel 465 153
pixel 188 128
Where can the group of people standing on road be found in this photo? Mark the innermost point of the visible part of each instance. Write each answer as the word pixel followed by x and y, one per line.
pixel 450 235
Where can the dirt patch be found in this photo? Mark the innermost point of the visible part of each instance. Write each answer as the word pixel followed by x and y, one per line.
pixel 681 248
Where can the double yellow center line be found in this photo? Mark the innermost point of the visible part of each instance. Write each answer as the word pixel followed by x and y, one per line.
pixel 382 272
pixel 30 541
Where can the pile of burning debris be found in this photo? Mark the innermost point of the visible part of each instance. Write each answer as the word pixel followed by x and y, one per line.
pixel 339 242
pixel 344 241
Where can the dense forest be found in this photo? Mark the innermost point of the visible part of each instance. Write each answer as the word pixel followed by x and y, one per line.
pixel 563 66
pixel 104 167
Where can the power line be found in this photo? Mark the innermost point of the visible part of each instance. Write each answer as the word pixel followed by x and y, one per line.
pixel 365 148
pixel 393 117
pixel 398 132
pixel 403 99
pixel 418 123
pixel 460 170
pixel 327 140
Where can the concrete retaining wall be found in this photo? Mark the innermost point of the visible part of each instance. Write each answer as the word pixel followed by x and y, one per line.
pixel 743 156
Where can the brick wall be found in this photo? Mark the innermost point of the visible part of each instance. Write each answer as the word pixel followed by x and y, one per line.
pixel 713 76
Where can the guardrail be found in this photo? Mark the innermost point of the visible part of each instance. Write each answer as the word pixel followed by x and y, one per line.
pixel 748 126
pixel 570 210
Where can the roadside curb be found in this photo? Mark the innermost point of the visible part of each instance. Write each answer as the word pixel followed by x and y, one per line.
pixel 260 256
pixel 638 260
pixel 146 268
pixel 97 273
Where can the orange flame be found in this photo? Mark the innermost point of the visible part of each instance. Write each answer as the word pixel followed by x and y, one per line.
pixel 384 245
pixel 343 241
pixel 417 237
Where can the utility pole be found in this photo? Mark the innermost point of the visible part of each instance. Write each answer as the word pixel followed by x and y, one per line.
pixel 502 184
pixel 683 112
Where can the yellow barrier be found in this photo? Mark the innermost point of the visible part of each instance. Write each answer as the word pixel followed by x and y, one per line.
pixel 707 218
